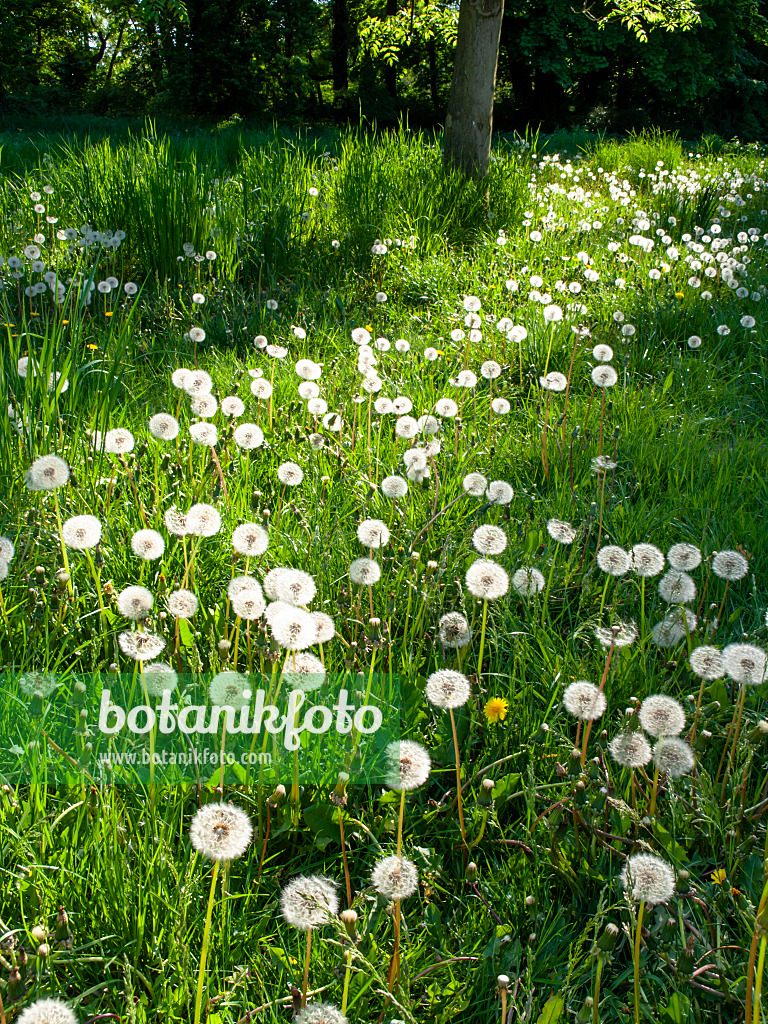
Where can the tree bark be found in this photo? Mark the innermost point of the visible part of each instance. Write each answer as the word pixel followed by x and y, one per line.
pixel 469 121
pixel 340 48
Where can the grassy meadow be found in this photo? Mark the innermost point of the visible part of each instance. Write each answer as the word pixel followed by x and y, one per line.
pixel 510 437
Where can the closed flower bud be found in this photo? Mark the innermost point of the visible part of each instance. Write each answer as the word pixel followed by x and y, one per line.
pixel 349 920
pixel 580 796
pixel 79 692
pixel 685 961
pixel 702 740
pixel 530 902
pixel 62 926
pixel 278 796
pixel 607 941
pixel 758 735
pixel 43 950
pixel 472 871
pixel 683 882
pixel 541 734
pixel 502 981
pixel 574 763
pixel 38 934
pixel 485 798
pixel 15 985
pixel 584 1016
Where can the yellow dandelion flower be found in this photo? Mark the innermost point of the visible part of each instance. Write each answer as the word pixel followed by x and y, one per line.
pixel 719 876
pixel 496 710
pixel 679 295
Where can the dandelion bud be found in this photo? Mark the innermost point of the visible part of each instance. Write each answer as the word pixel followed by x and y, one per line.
pixel 472 871
pixel 685 961
pixel 757 735
pixel 40 572
pixel 374 630
pixel 43 950
pixel 349 920
pixel 79 692
pixel 415 556
pixel 669 929
pixel 701 741
pixel 15 985
pixel 81 729
pixel 593 772
pixel 608 939
pixel 599 801
pixel 62 933
pixel 278 796
pixel 532 938
pixel 36 706
pixel 584 1016
pixel 580 796
pixel 530 902
pixel 223 646
pixel 683 882
pixel 38 934
pixel 62 579
pixel 431 569
pixel 503 982
pixel 574 763
pixel 541 734
pixel 339 795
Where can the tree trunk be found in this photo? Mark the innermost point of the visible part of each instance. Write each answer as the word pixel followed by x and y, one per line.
pixel 469 121
pixel 340 49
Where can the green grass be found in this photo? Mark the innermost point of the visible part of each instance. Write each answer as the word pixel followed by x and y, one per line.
pixel 684 426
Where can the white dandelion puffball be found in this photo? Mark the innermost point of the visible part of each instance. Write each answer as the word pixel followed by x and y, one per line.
pixel 604 376
pixel 164 427
pixel 365 572
pixel 553 313
pixel 394 487
pixel 673 757
pixel 304 672
pixel 630 749
pixel 248 436
pixel 500 406
pixel 4 569
pixel 320 1013
pixel 454 630
pixel 229 689
pixel 309 901
pixel 499 492
pixel 317 406
pixel 395 877
pixel 119 441
pixel 446 407
pixel 487 580
pixel 407 427
pixel 147 544
pixel 447 689
pixel 197 382
pixel 490 369
pixel 474 484
pixel 79 533
pixel 204 433
pixel 602 353
pixel 175 522
pixel 673 627
pixel 402 405
pixel 182 604
pixel 221 832
pixel 584 701
pixel 528 582
pixel 248 604
pixel 489 540
pixel 293 628
pixel 134 602
pixel 684 556
pixel 676 587
pixel 730 565
pixel 250 539
pixel 204 406
pixel 308 389
pixel 744 663
pixel 8 550
pixel 706 662
pixel 326 627
pixel 307 369
pixel 179 377
pixel 662 716
pixel 289 474
pixel 648 879
pixel 240 583
pixel 47 1011
pixel 271 581
pixel 554 381
pixel 141 646
pixel 232 406
pixel 562 532
pixel 613 560
pixel 37 682
pixel 203 521
pixel 373 533
pixel 261 388
pixel 47 473
pixel 409 765
pixel 158 678
pixel 647 560
pixel 296 587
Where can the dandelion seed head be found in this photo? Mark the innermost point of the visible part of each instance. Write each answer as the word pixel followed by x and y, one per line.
pixel 229 689
pixel 527 582
pixel 163 426
pixel 309 902
pixel 730 565
pixel 249 604
pixel 290 474
pixel 250 539
pixel 673 627
pixel 47 1011
pixel 293 628
pixel 134 602
pixel 271 581
pixel 203 520
pixel 446 407
pixel 662 716
pixel 487 580
pixel 304 672
pixel 395 878
pixel 373 533
pixel 326 627
pixel 394 487
pixel 554 381
pixel 454 630
pixel 630 749
pixel 175 522
pixel 409 765
pixel 745 663
pixel 197 382
pixel 489 540
pixel 447 688
pixel 706 662
pixel 261 388
pixel 648 879
pixel 79 533
pixel 47 473
pixel 474 484
pixel 613 560
pixel 221 831
pixel 604 376
pixel 562 532
pixel 204 406
pixel 320 1013
pixel 242 583
pixel 406 427
pixel 499 492
pixel 248 436
pixel 295 587
pixel 603 353
pixel 37 682
pixel 677 587
pixel 647 560
pixel 673 757
pixel 684 556
pixel 147 544
pixel 182 604
pixel 158 678
pixel 141 646
pixel 402 405
pixel 204 433
pixel 365 572
pixel 584 701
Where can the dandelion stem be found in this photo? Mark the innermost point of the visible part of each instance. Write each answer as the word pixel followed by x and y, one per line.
pixel 759 980
pixel 549 584
pixel 206 938
pixel 589 723
pixel 737 731
pixel 654 791
pixel 482 642
pixel 638 935
pixel 305 984
pixel 344 858
pixel 504 1005
pixel 64 558
pixel 458 776
pixel 596 996
pixel 347 976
